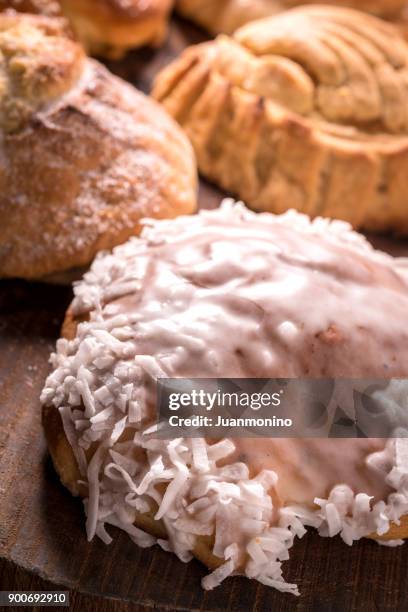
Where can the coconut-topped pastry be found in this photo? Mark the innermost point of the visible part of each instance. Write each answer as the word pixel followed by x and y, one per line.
pixel 228 293
pixel 306 109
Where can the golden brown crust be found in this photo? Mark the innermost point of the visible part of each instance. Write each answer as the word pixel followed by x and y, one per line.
pixel 225 16
pixel 39 64
pixel 61 451
pixel 304 110
pixel 111 27
pixel 83 155
pixel 106 27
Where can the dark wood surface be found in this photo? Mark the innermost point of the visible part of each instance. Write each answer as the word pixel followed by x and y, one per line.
pixel 42 535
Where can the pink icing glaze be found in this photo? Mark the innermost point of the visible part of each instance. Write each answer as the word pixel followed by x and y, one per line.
pixel 310 468
pixel 244 295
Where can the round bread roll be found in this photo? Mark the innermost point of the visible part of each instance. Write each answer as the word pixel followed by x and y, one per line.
pixel 84 156
pixel 107 28
pixel 225 16
pixel 228 293
pixel 307 109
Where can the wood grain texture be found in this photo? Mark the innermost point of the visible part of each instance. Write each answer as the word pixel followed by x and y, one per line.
pixel 12 576
pixel 42 534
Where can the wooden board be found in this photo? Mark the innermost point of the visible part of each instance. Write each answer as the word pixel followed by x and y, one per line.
pixel 42 526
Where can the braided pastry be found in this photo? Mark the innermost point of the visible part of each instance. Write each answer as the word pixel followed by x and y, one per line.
pixel 306 110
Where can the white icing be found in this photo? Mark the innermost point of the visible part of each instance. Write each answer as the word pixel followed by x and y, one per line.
pixel 232 293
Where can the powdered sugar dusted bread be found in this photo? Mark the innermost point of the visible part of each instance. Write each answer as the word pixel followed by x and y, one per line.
pixel 106 27
pixel 228 15
pixel 83 155
pixel 307 109
pixel 228 293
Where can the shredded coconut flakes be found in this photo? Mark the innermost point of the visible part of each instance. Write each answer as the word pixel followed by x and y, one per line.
pixel 180 482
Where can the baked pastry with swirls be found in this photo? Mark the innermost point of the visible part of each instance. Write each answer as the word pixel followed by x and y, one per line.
pixel 304 110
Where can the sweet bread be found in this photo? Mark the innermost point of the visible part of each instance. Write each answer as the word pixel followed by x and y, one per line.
pixel 106 27
pixel 307 110
pixel 84 156
pixel 228 293
pixel 112 27
pixel 225 16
